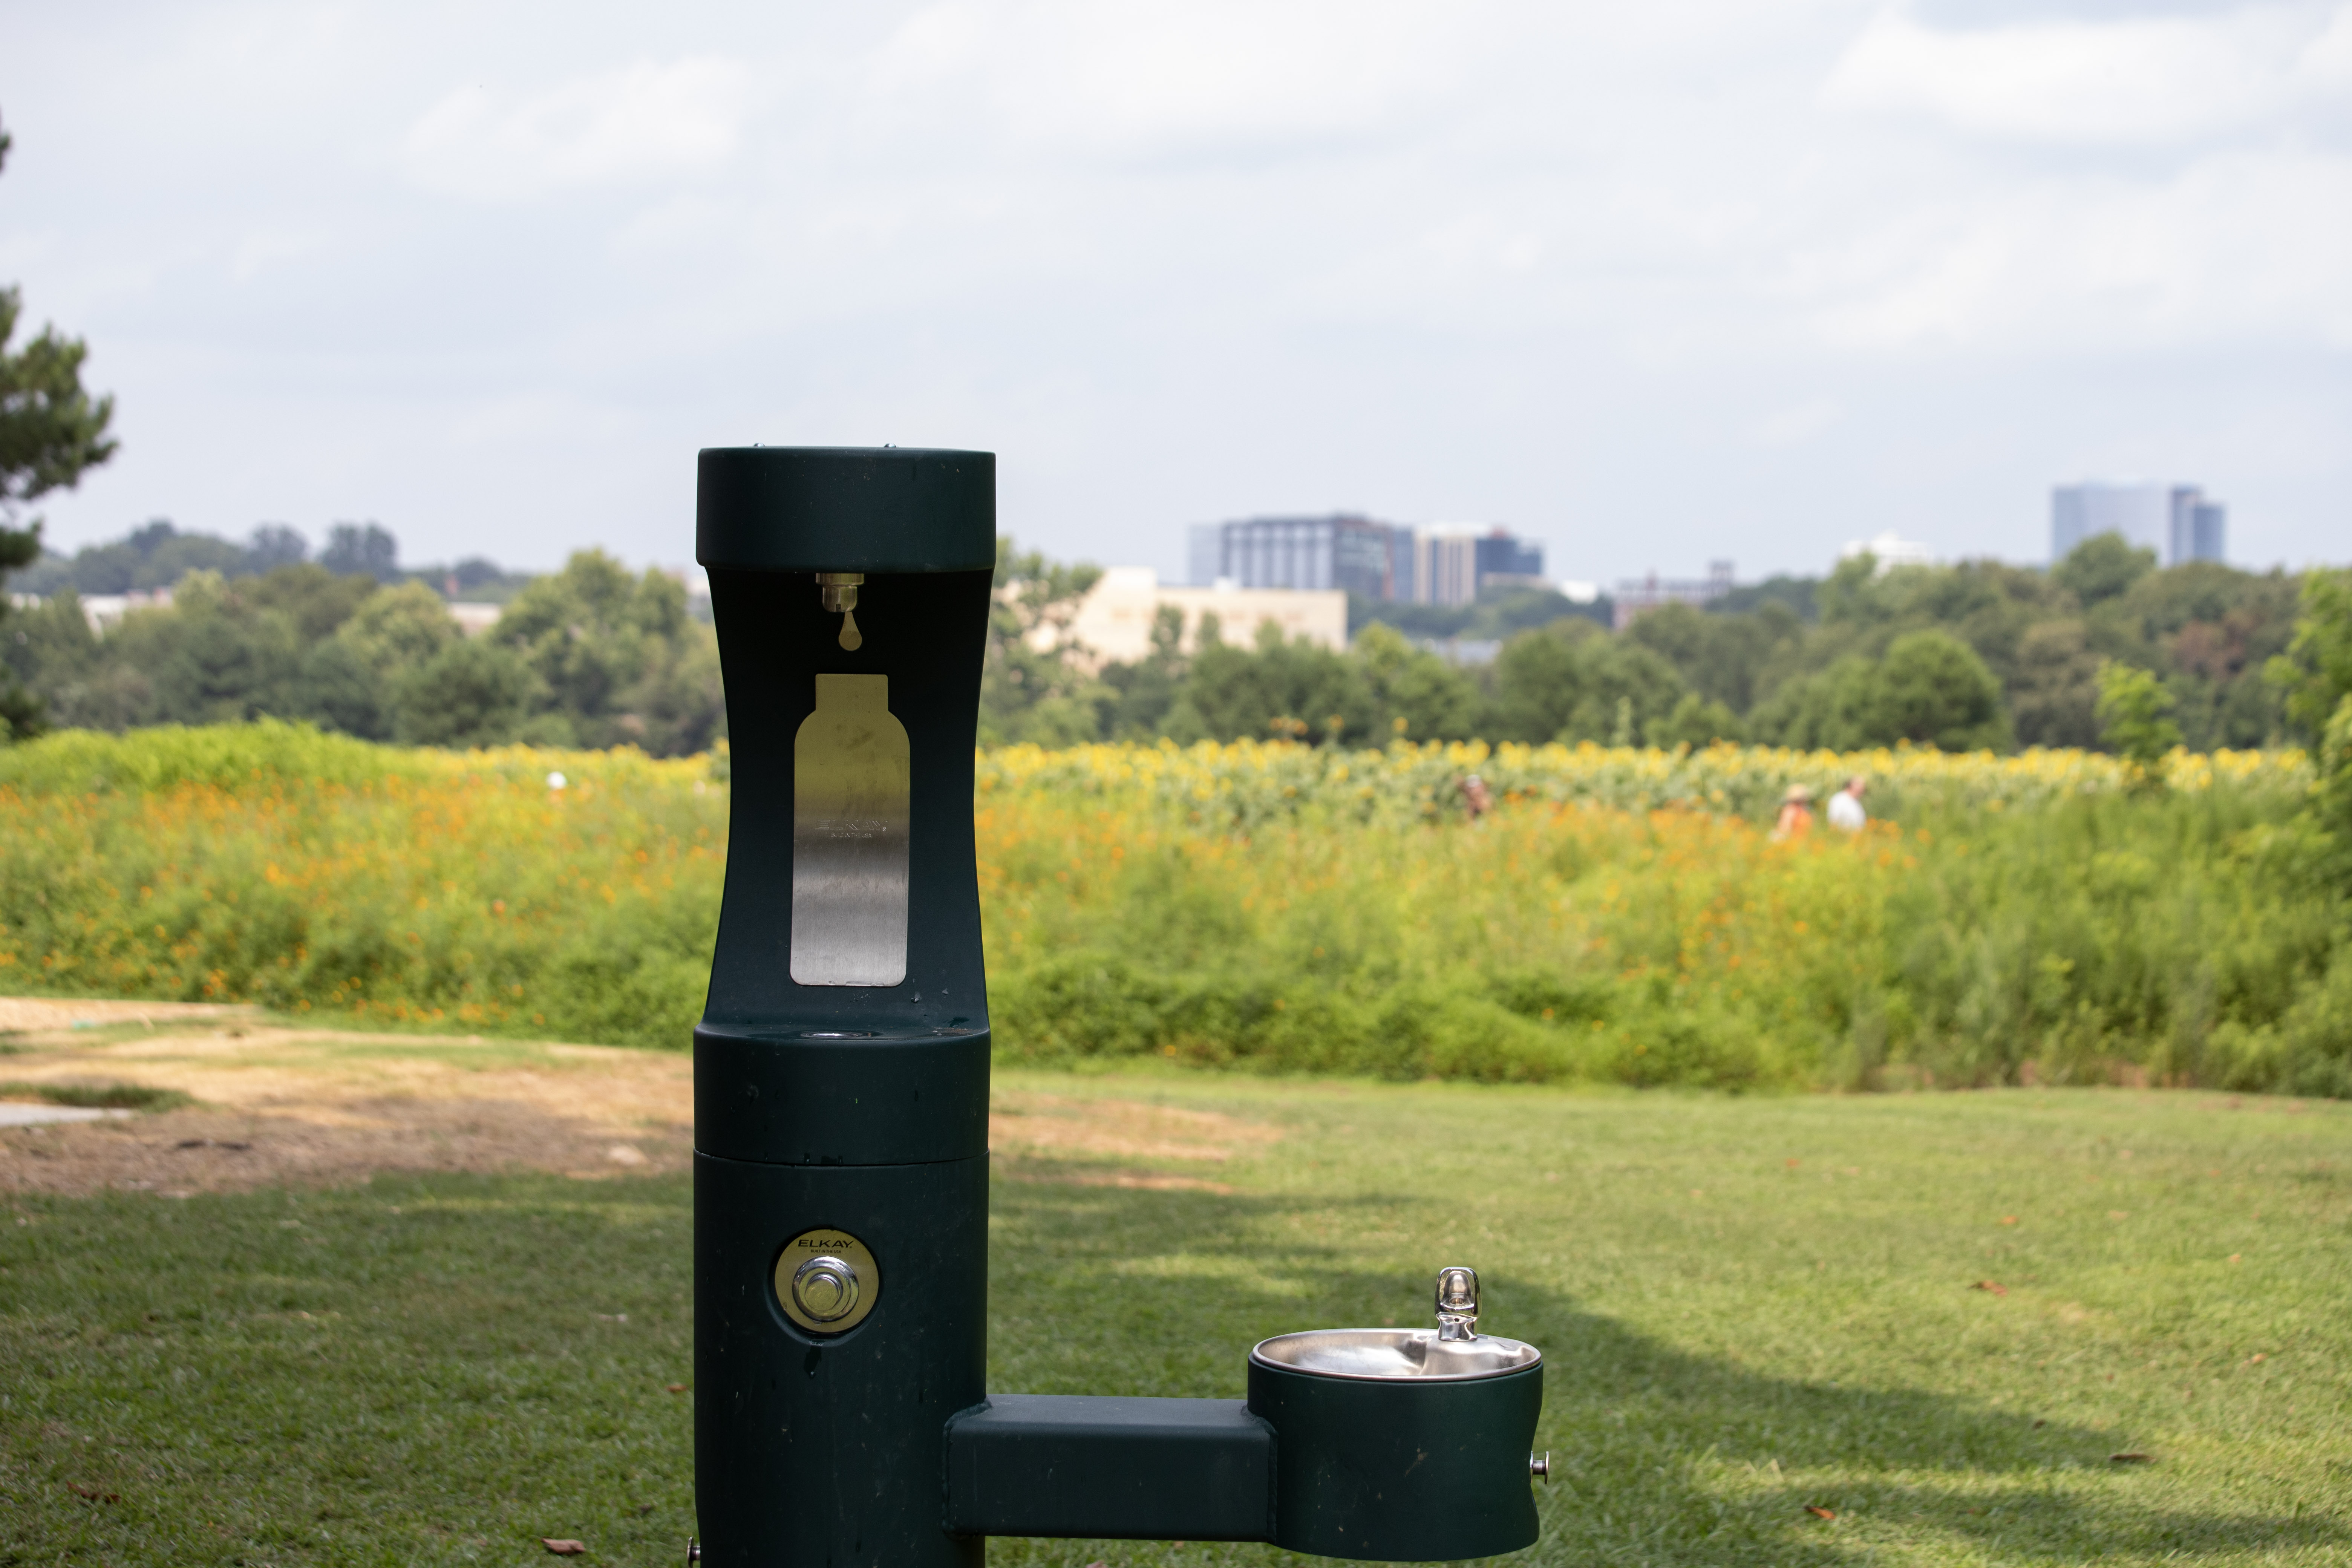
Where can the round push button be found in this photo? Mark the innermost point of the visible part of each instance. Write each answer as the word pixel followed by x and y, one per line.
pixel 826 1288
pixel 826 1280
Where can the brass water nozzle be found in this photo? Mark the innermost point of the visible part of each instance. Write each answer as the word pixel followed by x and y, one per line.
pixel 837 592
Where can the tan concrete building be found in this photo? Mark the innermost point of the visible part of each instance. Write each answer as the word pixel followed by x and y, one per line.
pixel 473 618
pixel 1115 620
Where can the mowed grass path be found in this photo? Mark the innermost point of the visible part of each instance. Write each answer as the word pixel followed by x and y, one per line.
pixel 1748 1306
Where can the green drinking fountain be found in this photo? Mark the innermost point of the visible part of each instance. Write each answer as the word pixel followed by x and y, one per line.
pixel 841 1068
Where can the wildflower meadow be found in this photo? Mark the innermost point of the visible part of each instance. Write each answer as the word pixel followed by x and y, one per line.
pixel 1621 916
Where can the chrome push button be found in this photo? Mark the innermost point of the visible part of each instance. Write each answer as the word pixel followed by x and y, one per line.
pixel 826 1288
pixel 826 1280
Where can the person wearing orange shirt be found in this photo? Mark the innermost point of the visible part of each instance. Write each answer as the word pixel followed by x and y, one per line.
pixel 1796 815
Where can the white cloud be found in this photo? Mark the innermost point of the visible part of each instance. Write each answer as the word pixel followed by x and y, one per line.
pixel 266 250
pixel 1795 425
pixel 644 123
pixel 2237 247
pixel 1126 79
pixel 2326 63
pixel 2147 80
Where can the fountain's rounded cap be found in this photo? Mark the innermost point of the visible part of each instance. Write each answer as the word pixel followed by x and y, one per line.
pixel 845 509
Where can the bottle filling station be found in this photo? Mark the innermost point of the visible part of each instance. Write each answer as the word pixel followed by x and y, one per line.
pixel 841 1123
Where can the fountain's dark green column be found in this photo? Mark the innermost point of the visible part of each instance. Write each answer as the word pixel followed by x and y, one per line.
pixel 849 1112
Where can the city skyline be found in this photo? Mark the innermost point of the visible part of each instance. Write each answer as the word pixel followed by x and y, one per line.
pixel 1447 564
pixel 2179 523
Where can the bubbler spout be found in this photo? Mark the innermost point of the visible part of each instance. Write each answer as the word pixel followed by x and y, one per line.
pixel 837 592
pixel 1457 1304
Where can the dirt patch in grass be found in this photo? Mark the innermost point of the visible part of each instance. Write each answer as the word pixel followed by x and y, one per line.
pixel 182 1152
pixel 1115 1142
pixel 278 1106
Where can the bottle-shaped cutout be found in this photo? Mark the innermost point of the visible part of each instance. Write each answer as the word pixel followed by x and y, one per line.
pixel 850 789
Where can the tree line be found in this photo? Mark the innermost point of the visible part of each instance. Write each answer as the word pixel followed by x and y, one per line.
pixel 2106 649
pixel 1978 654
pixel 157 555
pixel 592 655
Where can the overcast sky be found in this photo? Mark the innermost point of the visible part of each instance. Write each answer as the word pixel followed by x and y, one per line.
pixel 1654 283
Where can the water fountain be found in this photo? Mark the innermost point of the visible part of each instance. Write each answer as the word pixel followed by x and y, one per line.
pixel 841 1123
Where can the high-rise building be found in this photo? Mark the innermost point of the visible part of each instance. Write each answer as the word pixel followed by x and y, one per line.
pixel 1506 561
pixel 1445 567
pixel 1451 564
pixel 1340 551
pixel 2174 521
pixel 1374 560
pixel 1204 555
pixel 2140 514
pixel 2200 526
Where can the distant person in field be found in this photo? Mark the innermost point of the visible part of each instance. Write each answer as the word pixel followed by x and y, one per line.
pixel 1796 815
pixel 1475 797
pixel 1845 806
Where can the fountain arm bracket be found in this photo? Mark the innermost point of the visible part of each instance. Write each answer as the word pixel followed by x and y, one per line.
pixel 1140 1470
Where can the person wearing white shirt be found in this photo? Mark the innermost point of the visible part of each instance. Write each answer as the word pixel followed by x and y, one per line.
pixel 1845 806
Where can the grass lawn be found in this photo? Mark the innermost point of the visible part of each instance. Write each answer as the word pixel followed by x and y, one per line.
pixel 1749 1308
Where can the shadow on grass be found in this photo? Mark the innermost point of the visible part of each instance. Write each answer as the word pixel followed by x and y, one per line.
pixel 1660 1456
pixel 442 1369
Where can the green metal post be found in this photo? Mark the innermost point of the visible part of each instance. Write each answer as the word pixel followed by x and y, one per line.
pixel 841 1117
